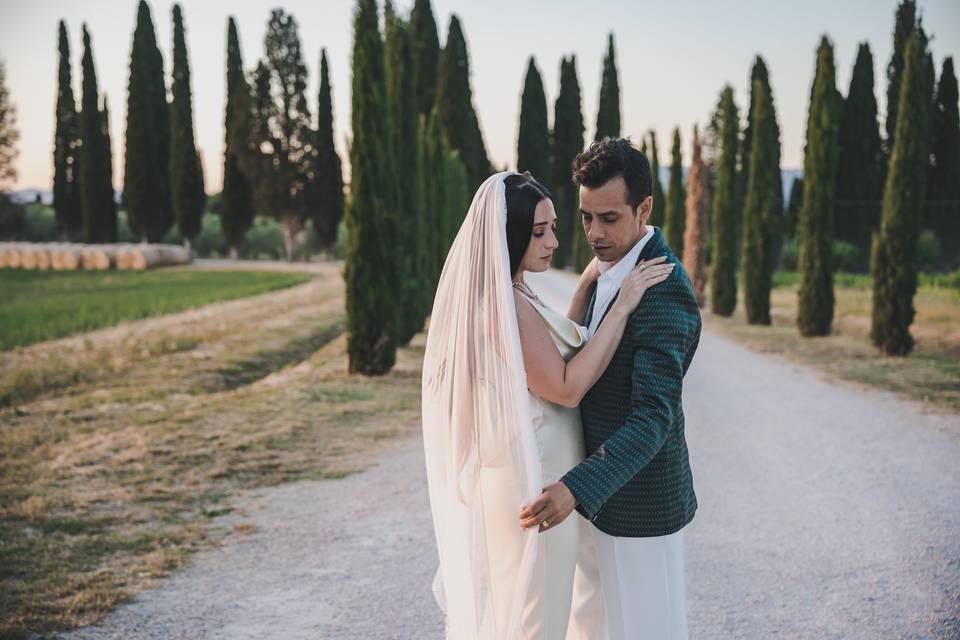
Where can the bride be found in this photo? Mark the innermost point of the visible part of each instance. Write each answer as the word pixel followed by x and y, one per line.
pixel 503 375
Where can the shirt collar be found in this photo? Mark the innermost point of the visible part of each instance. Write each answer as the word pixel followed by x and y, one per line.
pixel 628 261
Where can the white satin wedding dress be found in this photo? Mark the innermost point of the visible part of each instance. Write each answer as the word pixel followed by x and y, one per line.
pixel 490 446
pixel 560 443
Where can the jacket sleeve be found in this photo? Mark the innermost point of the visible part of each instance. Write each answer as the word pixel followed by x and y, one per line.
pixel 661 337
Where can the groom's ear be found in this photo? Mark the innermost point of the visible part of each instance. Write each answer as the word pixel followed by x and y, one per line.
pixel 644 209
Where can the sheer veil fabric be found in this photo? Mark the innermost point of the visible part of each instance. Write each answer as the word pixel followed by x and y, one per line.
pixel 481 452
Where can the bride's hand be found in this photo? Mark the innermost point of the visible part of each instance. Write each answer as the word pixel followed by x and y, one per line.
pixel 591 273
pixel 644 275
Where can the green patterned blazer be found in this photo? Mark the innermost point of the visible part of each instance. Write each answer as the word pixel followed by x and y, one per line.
pixel 636 480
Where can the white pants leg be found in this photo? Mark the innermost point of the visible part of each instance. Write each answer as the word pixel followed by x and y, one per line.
pixel 642 586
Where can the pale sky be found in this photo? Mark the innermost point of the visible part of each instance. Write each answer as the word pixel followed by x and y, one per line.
pixel 673 58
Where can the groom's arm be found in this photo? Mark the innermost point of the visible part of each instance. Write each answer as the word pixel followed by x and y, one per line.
pixel 661 339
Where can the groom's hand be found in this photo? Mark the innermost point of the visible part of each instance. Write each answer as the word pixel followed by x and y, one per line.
pixel 550 509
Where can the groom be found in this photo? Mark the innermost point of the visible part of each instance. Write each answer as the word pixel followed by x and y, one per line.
pixel 635 485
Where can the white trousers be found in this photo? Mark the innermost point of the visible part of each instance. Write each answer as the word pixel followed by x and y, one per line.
pixel 628 588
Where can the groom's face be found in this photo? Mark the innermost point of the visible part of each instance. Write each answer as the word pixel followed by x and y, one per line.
pixel 611 225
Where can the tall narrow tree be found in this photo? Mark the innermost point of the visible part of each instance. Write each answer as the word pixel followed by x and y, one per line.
pixel 454 102
pixel 860 167
pixel 608 109
pixel 905 22
pixel 815 311
pixel 9 134
pixel 657 216
pixel 236 214
pixel 895 245
pixel 285 187
pixel 763 208
pixel 66 149
pixel 696 228
pixel 533 139
pixel 146 189
pixel 109 201
pixel 435 198
pixel 675 213
pixel 568 131
pixel 944 187
pixel 793 208
pixel 186 188
pixel 96 195
pixel 401 73
pixel 426 54
pixel 371 217
pixel 724 228
pixel 328 211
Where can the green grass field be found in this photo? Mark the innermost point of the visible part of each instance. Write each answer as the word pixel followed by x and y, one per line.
pixel 37 306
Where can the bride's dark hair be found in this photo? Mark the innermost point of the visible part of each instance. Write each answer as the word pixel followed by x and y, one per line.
pixel 523 194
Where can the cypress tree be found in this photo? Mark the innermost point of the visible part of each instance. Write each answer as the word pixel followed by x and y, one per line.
pixel 533 139
pixel 455 107
pixel 760 73
pixel 405 119
pixel 285 187
pixel 860 167
pixel 657 216
pixel 370 262
pixel 696 228
pixel 329 206
pixel 895 245
pixel 793 209
pixel 724 228
pixel 904 24
pixel 815 312
pixel 675 213
pixel 457 194
pixel 568 130
pixel 66 149
pixel 9 134
pixel 96 196
pixel 945 176
pixel 109 202
pixel 186 188
pixel 435 198
pixel 236 215
pixel 608 109
pixel 146 189
pixel 764 207
pixel 426 54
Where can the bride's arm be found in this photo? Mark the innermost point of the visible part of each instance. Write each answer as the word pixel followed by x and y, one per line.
pixel 581 297
pixel 565 383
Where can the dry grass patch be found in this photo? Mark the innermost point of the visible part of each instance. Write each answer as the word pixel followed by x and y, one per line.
pixel 113 482
pixel 930 374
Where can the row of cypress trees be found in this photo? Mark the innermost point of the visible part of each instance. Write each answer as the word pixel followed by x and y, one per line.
pixel 417 156
pixel 83 172
pixel 275 160
pixel 844 161
pixel 548 154
pixel 162 172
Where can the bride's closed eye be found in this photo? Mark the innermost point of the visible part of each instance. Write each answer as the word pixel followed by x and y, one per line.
pixel 553 228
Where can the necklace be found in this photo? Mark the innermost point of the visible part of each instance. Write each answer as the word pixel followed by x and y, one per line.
pixel 525 290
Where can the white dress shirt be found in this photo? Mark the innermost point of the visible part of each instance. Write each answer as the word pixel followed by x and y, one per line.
pixel 612 275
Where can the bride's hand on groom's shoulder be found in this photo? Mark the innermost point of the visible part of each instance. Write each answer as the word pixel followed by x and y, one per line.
pixel 645 275
pixel 591 273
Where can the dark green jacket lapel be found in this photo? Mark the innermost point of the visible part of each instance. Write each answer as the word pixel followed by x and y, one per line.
pixel 653 247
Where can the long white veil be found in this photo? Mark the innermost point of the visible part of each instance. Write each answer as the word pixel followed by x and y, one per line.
pixel 481 453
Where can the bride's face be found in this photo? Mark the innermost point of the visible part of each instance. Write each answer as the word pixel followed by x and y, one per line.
pixel 543 238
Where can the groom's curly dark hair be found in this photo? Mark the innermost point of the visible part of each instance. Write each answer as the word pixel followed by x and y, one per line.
pixel 611 157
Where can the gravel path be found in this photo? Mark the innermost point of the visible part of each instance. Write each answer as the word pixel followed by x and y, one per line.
pixel 827 510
